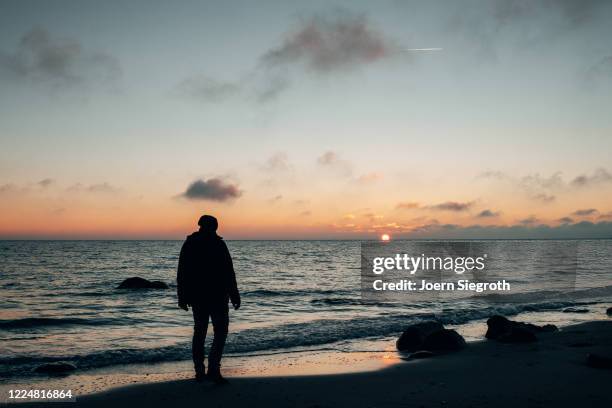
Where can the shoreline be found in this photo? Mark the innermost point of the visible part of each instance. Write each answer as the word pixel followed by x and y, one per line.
pixel 483 373
pixel 550 372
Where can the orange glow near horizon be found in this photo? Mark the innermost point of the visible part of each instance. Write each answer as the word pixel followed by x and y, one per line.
pixel 385 237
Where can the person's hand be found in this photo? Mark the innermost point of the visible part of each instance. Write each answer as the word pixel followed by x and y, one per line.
pixel 184 306
pixel 236 303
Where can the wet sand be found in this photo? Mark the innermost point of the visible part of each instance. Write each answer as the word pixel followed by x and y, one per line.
pixel 551 372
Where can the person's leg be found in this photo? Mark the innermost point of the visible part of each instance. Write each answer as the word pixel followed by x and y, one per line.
pixel 220 320
pixel 200 327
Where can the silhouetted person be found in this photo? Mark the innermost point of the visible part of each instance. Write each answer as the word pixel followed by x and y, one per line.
pixel 206 281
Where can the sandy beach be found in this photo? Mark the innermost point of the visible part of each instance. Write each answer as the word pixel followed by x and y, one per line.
pixel 550 372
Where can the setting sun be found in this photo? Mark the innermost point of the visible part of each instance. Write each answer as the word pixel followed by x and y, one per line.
pixel 385 237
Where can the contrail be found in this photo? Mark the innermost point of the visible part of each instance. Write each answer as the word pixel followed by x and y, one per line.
pixel 423 49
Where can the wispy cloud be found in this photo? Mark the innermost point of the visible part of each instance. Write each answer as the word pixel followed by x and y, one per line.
pixel 488 214
pixel 278 162
pixel 545 189
pixel 407 205
pixel 531 220
pixel 39 56
pixel 585 212
pixel 370 178
pixel 452 206
pixel 44 183
pixel 208 89
pixel 332 160
pixel 93 188
pixel 599 176
pixel 323 44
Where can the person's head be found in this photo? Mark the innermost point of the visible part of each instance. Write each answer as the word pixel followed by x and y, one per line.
pixel 208 223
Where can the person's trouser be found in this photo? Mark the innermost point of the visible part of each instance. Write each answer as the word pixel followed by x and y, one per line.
pixel 220 320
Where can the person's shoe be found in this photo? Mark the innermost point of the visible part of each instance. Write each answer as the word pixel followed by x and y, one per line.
pixel 217 378
pixel 200 374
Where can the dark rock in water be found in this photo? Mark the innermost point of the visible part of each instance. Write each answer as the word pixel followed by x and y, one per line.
pixel 422 354
pixel 413 337
pixel 141 283
pixel 575 310
pixel 609 311
pixel 518 335
pixel 501 328
pixel 444 340
pixel 57 367
pixel 497 326
pixel 597 361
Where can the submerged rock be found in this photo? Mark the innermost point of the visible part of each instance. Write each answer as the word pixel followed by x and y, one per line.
pixel 444 340
pixel 57 367
pixel 141 283
pixel 609 311
pixel 505 330
pixel 413 337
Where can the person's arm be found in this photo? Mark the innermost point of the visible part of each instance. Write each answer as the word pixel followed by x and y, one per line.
pixel 181 275
pixel 231 277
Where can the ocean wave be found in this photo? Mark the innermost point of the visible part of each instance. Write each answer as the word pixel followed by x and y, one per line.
pixel 283 337
pixel 39 322
pixel 293 293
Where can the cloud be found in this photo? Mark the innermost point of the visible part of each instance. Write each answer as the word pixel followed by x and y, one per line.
pixel 324 44
pixel 529 24
pixel 488 214
pixel 542 189
pixel 305 213
pixel 407 205
pixel 565 220
pixel 10 188
pixel 93 188
pixel 271 86
pixel 531 220
pixel 328 158
pixel 602 229
pixel 599 176
pixel 41 57
pixel 213 189
pixel 452 206
pixel 545 198
pixel 369 178
pixel 44 183
pixel 605 216
pixel 585 212
pixel 331 159
pixel 373 217
pixel 278 162
pixel 573 12
pixel 275 199
pixel 600 70
pixel 208 89
pixel 535 186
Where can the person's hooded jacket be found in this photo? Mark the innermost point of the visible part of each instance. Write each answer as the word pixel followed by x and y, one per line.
pixel 205 271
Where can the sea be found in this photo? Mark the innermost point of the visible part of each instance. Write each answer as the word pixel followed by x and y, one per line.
pixel 59 300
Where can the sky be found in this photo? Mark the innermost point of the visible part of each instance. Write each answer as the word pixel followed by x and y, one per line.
pixel 306 120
